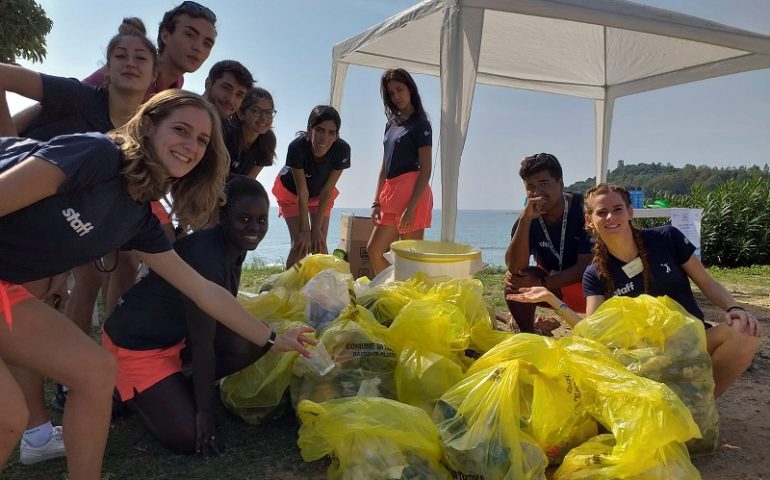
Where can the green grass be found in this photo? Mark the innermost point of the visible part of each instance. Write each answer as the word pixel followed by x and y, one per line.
pixel 754 280
pixel 267 451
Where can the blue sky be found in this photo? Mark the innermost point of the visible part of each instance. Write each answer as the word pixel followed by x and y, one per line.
pixel 287 46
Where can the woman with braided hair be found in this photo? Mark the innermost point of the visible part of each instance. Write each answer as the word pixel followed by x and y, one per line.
pixel 657 261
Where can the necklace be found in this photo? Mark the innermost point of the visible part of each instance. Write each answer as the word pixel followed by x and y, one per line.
pixel 560 254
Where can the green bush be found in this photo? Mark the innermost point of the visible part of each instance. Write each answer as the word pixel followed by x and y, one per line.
pixel 735 228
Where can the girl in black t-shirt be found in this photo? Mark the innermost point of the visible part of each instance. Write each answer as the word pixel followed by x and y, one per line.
pixel 249 136
pixel 172 144
pixel 403 200
pixel 623 265
pixel 147 332
pixel 306 186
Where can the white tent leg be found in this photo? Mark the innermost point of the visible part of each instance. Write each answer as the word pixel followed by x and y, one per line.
pixel 339 73
pixel 603 110
pixel 460 45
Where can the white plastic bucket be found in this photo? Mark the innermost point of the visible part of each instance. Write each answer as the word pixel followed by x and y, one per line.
pixel 456 260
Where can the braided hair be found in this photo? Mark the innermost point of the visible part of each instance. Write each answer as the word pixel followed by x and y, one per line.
pixel 600 252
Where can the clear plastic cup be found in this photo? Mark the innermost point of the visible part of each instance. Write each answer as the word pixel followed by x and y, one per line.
pixel 319 359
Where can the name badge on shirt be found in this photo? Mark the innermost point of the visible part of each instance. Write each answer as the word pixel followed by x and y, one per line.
pixel 633 268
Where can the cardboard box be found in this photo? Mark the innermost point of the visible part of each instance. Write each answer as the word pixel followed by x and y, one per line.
pixel 354 234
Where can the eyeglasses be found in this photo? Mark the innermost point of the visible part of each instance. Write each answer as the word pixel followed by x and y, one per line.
pixel 195 9
pixel 258 112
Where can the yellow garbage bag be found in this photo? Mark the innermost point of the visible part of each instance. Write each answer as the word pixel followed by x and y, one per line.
pixel 365 362
pixel 646 418
pixel 467 294
pixel 385 301
pixel 478 421
pixel 551 409
pixel 371 438
pixel 298 275
pixel 259 392
pixel 430 337
pixel 277 304
pixel 594 460
pixel 658 339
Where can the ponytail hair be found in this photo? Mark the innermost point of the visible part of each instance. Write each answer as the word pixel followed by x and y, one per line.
pixel 133 27
pixel 600 252
pixel 194 195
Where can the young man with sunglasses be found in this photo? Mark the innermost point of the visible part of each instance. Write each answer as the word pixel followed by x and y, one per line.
pixel 551 228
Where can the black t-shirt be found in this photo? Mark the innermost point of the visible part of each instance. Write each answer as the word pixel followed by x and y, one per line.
pixel 151 314
pixel 401 143
pixel 576 242
pixel 317 170
pixel 91 214
pixel 69 106
pixel 667 249
pixel 241 161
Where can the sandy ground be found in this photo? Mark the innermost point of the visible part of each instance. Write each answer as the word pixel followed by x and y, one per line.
pixel 744 438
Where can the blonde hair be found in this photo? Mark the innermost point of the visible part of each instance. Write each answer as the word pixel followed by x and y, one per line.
pixel 600 252
pixel 196 194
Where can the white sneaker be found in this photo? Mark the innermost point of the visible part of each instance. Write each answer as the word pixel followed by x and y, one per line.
pixel 53 448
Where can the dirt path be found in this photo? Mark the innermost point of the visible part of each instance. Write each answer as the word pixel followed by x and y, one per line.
pixel 744 437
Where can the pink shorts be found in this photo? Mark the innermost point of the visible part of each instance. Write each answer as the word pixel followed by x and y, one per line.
pixel 10 295
pixel 394 197
pixel 160 211
pixel 139 370
pixel 287 201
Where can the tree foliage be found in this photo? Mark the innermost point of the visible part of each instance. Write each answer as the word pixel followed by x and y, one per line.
pixel 666 179
pixel 23 27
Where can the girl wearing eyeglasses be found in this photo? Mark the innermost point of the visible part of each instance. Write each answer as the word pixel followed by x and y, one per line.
pixel 249 136
pixel 306 186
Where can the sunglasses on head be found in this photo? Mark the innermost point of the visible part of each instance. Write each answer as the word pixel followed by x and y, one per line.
pixel 197 10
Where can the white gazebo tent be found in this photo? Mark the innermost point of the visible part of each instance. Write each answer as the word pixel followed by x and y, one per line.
pixel 598 49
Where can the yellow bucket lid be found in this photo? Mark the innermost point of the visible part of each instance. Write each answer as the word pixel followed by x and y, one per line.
pixel 433 251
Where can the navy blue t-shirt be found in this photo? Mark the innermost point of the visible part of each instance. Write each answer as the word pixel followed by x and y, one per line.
pixel 91 214
pixel 151 314
pixel 241 161
pixel 576 242
pixel 69 106
pixel 317 170
pixel 667 249
pixel 401 143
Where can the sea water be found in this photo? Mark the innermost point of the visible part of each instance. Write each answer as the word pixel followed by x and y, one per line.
pixel 487 230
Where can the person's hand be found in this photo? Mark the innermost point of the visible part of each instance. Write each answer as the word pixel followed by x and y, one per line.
pixel 407 219
pixel 204 434
pixel 57 293
pixel 534 209
pixel 376 213
pixel 522 279
pixel 534 295
pixel 317 241
pixel 295 340
pixel 743 321
pixel 303 243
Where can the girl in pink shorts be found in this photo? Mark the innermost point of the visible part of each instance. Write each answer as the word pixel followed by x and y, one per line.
pixel 403 201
